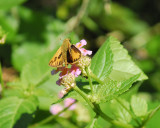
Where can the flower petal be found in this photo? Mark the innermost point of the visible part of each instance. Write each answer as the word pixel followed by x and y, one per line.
pixel 81 43
pixel 58 82
pixel 85 52
pixel 55 109
pixel 68 102
pixel 75 70
pixel 53 72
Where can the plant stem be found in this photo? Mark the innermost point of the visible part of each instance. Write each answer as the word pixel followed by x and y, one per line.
pixel 48 119
pixel 103 115
pixel 98 111
pixel 96 78
pixel 131 114
pixel 74 21
pixel 84 96
pixel 150 116
pixel 93 106
pixel 1 81
pixel 90 80
pixel 107 118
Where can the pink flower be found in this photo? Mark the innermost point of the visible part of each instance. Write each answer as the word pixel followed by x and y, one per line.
pixel 56 108
pixel 68 102
pixel 75 70
pixel 64 71
pixel 80 44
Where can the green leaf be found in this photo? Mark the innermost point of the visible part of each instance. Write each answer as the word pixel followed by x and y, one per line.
pixel 9 24
pixel 132 91
pixel 112 89
pixel 37 70
pixel 139 106
pixel 120 112
pixel 12 108
pixel 102 62
pixel 37 73
pixel 48 92
pixel 6 4
pixel 25 52
pixel 123 66
pixel 153 121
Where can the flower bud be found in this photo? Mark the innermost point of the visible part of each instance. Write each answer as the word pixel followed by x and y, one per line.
pixel 84 62
pixel 68 80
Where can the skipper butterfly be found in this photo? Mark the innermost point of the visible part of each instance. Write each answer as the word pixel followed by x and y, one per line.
pixel 66 54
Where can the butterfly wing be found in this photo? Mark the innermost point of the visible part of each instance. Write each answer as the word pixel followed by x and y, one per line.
pixel 57 59
pixel 73 55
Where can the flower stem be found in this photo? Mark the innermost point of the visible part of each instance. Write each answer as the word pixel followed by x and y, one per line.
pixel 99 112
pixel 90 80
pixel 131 114
pixel 84 96
pixel 96 78
pixel 108 119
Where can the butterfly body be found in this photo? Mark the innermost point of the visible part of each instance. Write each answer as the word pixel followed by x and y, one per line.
pixel 66 54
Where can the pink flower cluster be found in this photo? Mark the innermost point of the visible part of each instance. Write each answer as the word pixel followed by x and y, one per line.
pixel 80 44
pixel 56 108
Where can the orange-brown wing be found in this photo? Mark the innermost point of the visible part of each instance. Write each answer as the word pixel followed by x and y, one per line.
pixel 57 59
pixel 73 55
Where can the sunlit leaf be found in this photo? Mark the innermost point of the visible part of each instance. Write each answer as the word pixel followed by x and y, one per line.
pixel 120 112
pixel 139 106
pixel 112 89
pixel 123 66
pixel 12 108
pixel 102 62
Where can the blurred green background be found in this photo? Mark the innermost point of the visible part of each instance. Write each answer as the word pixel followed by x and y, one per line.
pixel 32 27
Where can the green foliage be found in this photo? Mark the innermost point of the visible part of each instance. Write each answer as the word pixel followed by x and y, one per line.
pixel 41 71
pixel 101 64
pixel 24 53
pixel 140 114
pixel 12 108
pixel 120 112
pixel 123 67
pixel 6 4
pixel 139 106
pixel 112 89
